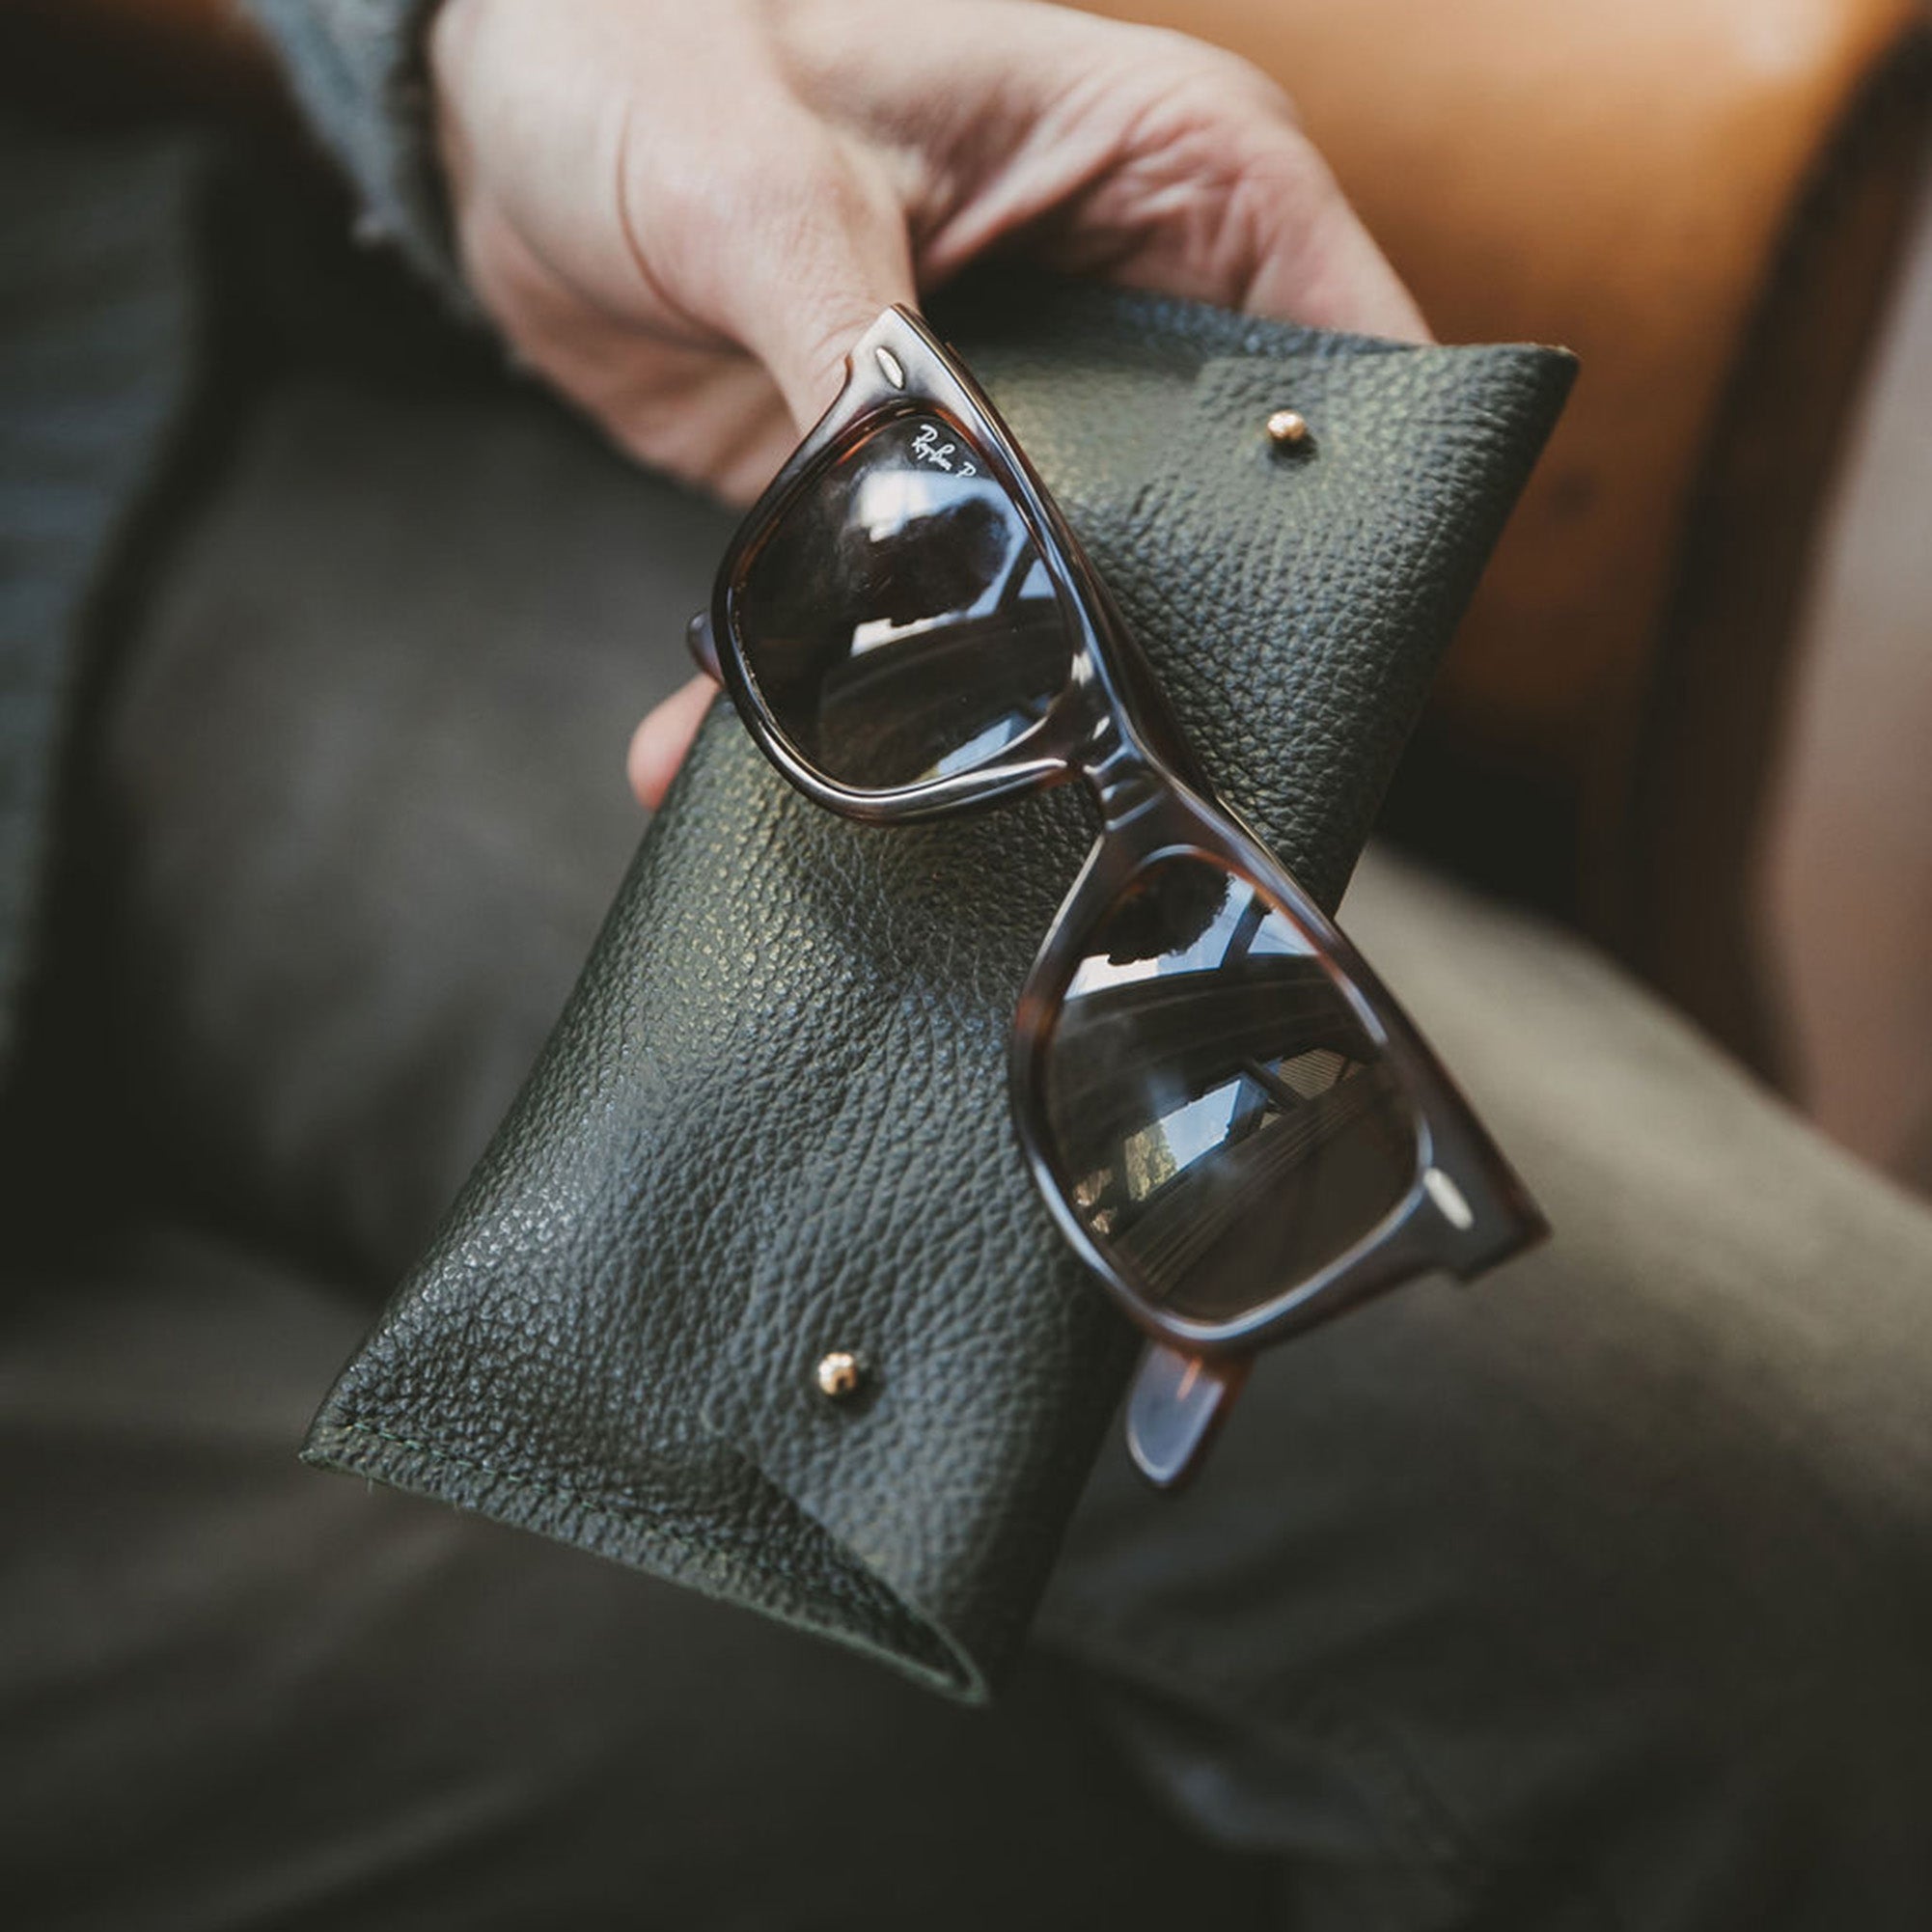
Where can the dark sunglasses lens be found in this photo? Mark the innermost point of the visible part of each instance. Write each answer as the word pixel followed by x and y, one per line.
pixel 898 620
pixel 1219 1119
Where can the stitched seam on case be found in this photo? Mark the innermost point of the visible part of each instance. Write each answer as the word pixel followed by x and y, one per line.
pixel 648 1516
pixel 646 1513
pixel 556 1492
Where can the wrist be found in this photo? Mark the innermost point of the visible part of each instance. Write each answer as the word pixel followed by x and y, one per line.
pixel 358 69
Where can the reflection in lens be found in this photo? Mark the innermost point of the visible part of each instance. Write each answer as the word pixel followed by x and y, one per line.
pixel 1219 1119
pixel 898 620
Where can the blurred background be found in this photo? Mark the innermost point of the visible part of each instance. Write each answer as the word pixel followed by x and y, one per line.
pixel 1687 717
pixel 1689 712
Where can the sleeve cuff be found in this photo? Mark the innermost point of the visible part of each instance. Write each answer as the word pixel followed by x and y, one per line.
pixel 357 67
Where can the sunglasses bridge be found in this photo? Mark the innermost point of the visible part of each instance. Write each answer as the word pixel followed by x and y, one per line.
pixel 1104 718
pixel 1123 777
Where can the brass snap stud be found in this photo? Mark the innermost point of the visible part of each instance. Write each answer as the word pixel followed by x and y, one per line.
pixel 839 1375
pixel 1287 428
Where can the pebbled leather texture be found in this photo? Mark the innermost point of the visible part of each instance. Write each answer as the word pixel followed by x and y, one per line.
pixel 773 1120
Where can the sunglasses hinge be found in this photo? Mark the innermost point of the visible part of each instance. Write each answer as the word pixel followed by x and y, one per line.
pixel 1122 782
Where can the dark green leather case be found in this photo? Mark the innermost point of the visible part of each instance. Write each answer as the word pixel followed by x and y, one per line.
pixel 773 1120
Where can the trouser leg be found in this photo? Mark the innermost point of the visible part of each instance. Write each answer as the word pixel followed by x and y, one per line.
pixel 1597 1594
pixel 237 1694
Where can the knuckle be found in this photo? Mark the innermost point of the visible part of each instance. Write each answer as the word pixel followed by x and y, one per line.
pixel 1213 83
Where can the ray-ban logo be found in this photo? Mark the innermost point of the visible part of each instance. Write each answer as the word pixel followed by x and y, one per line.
pixel 928 448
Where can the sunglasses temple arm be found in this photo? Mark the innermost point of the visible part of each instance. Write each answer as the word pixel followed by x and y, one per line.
pixel 1176 1403
pixel 702 645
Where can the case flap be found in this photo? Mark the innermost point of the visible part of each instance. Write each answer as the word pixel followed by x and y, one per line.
pixel 773 1120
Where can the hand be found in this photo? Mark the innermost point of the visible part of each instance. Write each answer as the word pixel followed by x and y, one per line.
pixel 682 212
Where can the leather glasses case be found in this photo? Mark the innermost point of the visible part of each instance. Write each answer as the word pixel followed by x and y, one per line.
pixel 772 1124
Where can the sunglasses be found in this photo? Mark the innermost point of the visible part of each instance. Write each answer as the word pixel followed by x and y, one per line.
pixel 1237 1128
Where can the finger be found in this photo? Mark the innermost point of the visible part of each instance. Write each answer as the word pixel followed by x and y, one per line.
pixel 1157 160
pixel 827 252
pixel 659 744
pixel 1313 261
pixel 1230 203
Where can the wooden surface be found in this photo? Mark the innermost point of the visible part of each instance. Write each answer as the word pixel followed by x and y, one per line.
pixel 1845 895
pixel 1618 178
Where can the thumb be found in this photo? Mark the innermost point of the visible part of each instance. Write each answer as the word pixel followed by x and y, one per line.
pixel 828 250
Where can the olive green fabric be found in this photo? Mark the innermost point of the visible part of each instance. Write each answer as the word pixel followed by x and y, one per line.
pixel 1592 1595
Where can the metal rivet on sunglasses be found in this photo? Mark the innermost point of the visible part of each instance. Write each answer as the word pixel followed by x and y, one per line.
pixel 889 368
pixel 1287 429
pixel 1449 1196
pixel 839 1375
